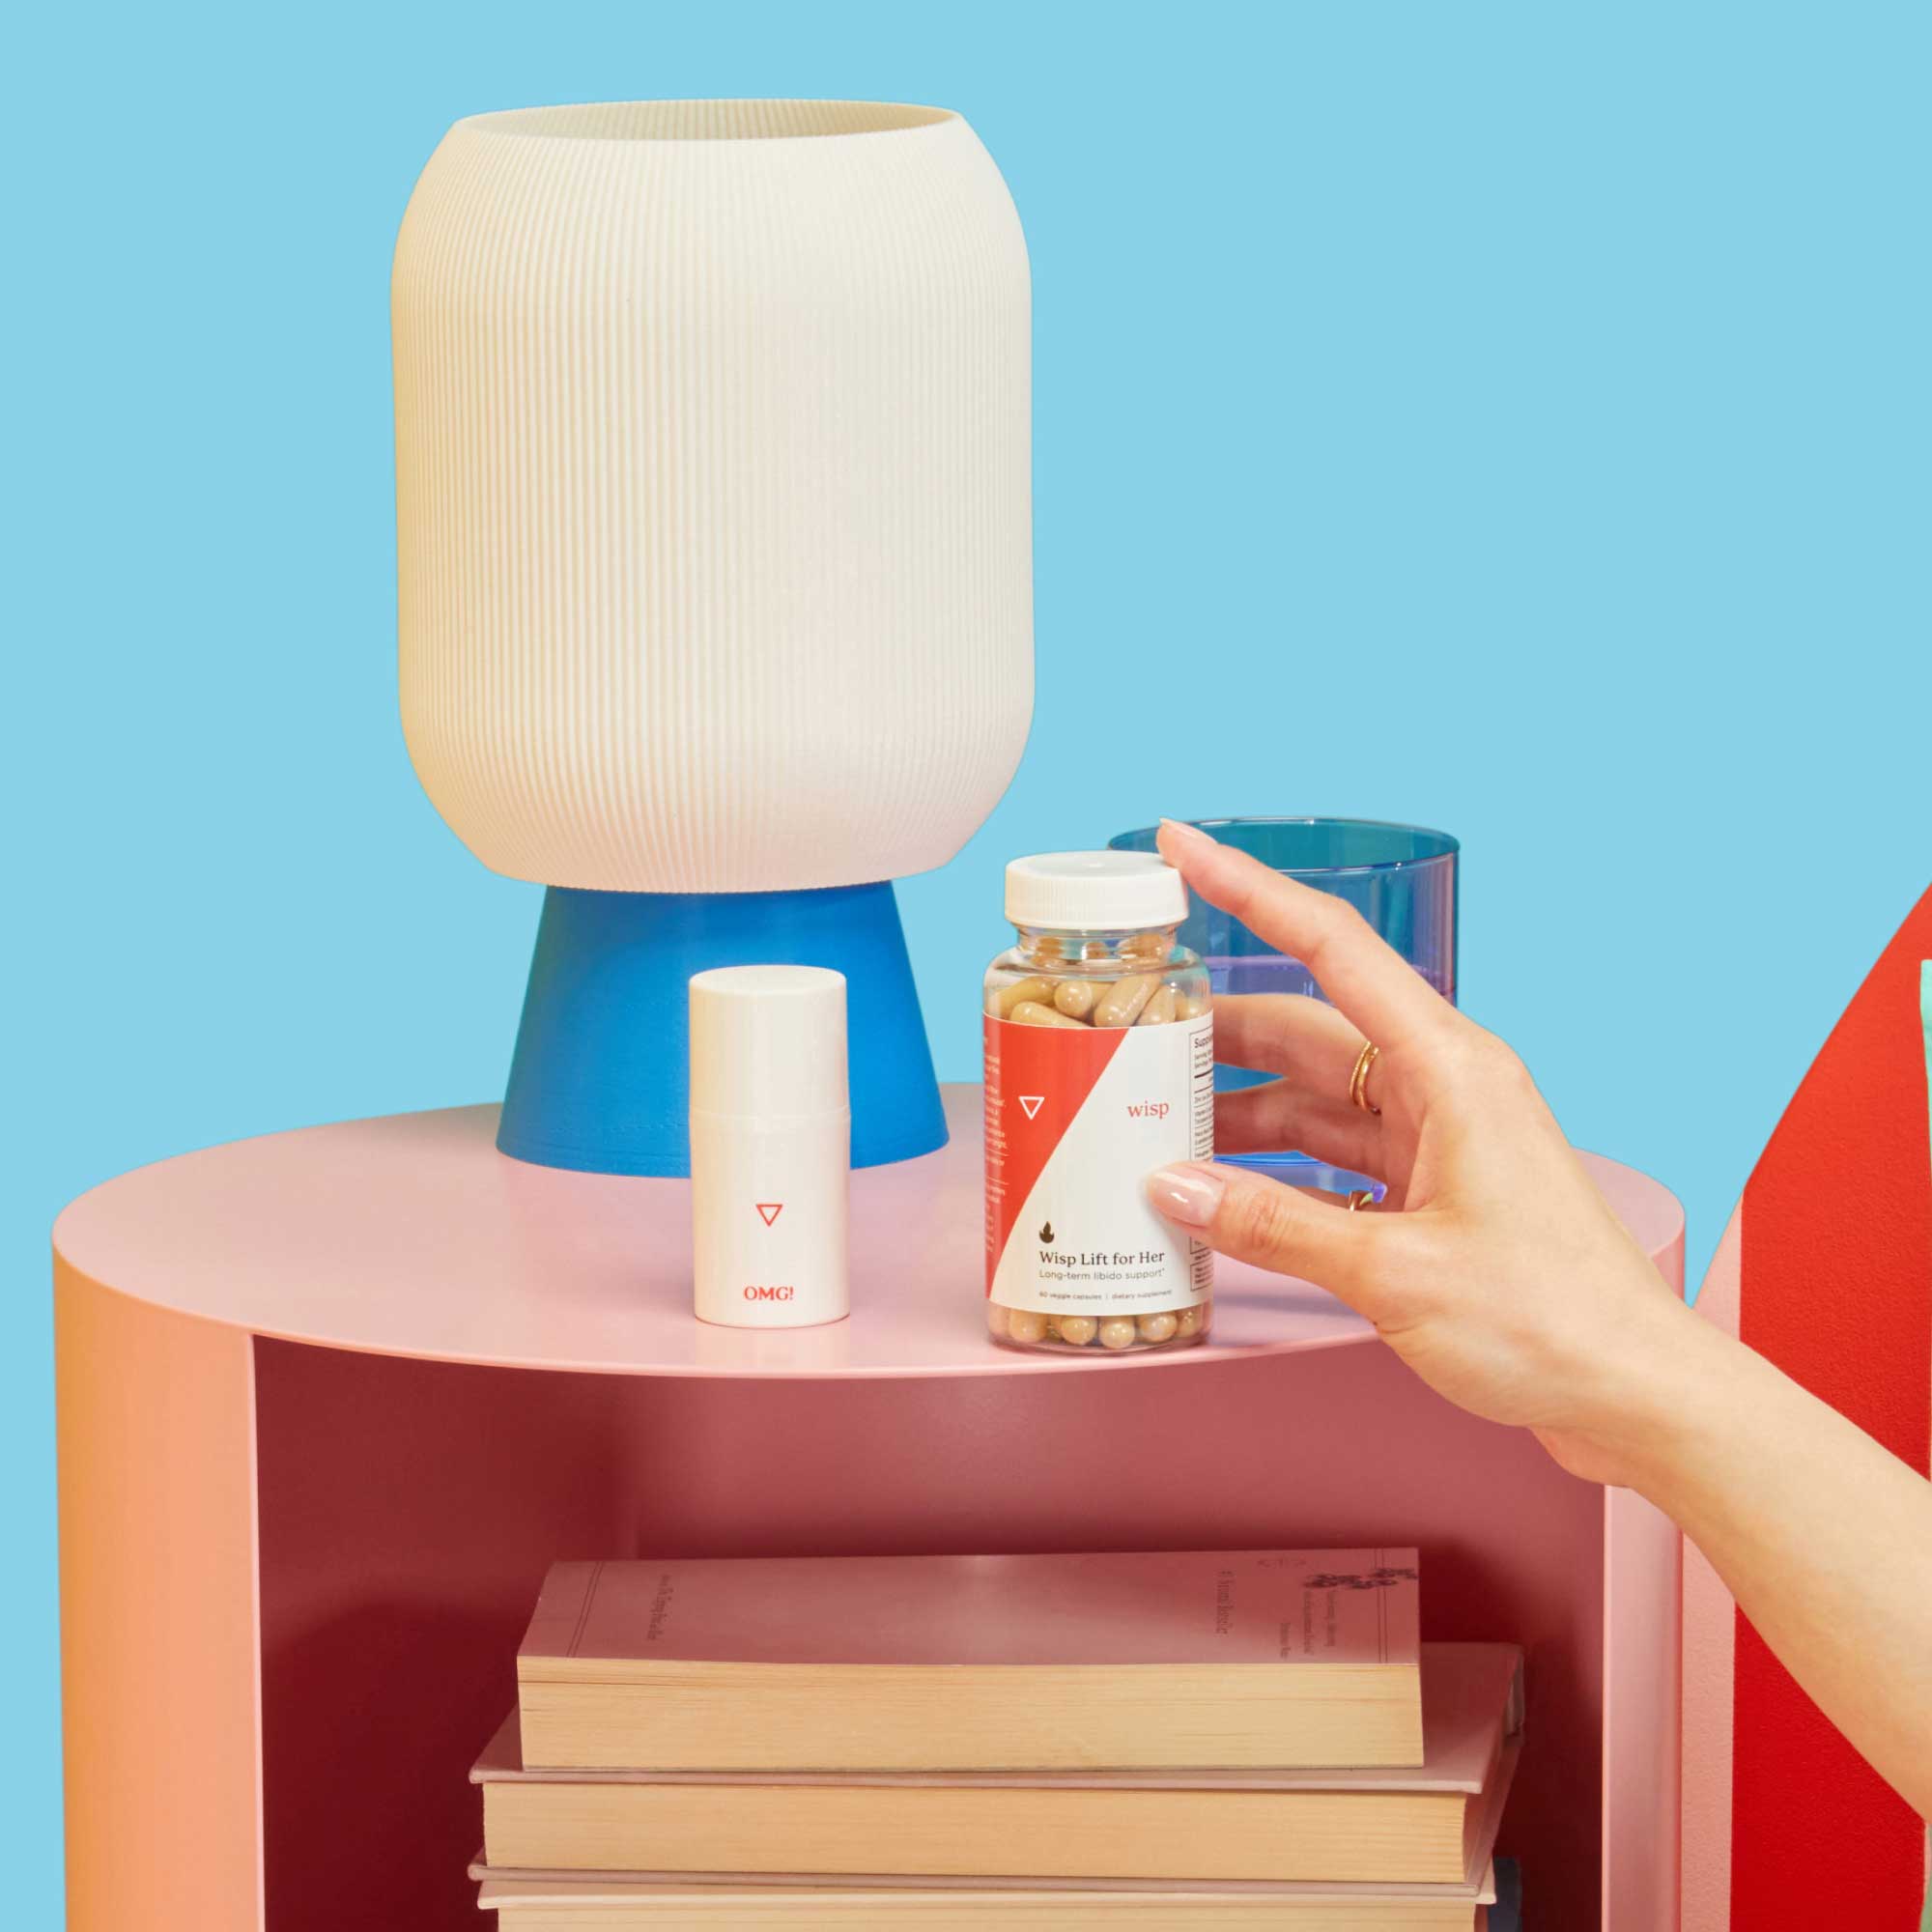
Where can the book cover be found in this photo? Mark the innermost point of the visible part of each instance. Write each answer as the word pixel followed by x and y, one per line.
pixel 620 1905
pixel 1208 1658
pixel 1310 1607
pixel 1471 1701
pixel 1112 1848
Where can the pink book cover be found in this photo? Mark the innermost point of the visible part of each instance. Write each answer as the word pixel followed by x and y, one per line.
pixel 513 1887
pixel 1472 1704
pixel 502 1892
pixel 1306 1607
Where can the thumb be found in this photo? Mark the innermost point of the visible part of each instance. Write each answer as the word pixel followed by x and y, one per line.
pixel 1288 1230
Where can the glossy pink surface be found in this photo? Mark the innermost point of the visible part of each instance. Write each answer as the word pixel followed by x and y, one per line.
pixel 1710 1663
pixel 413 1236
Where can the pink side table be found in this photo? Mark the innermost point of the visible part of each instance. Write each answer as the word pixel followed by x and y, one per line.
pixel 331 1400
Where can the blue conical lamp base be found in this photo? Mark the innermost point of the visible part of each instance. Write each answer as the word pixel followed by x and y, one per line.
pixel 599 1081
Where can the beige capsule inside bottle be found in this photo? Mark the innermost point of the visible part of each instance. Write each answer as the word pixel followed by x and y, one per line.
pixel 1099 1069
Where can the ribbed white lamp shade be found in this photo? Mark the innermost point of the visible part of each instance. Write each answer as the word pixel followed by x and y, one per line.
pixel 713 493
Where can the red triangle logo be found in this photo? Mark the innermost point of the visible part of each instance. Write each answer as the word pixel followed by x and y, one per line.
pixel 770 1211
pixel 1032 1104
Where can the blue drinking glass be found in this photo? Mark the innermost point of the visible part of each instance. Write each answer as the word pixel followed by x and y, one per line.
pixel 1401 878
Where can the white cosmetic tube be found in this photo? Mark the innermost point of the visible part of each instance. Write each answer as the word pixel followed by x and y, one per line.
pixel 771 1146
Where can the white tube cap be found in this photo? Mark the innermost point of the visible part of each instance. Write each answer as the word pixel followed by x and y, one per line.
pixel 768 1042
pixel 1095 891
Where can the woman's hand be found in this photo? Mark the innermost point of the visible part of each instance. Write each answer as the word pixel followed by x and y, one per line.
pixel 1493 1266
pixel 1497 1273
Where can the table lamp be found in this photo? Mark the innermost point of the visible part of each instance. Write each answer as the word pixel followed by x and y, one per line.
pixel 714 536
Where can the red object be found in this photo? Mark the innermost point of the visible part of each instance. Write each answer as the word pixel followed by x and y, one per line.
pixel 1049 1071
pixel 1837 1292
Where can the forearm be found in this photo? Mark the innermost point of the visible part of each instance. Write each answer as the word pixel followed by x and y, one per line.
pixel 1822 1535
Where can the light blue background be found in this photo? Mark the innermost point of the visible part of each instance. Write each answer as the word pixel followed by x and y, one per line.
pixel 1513 419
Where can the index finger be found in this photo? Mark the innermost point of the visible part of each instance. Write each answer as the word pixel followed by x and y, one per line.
pixel 1386 998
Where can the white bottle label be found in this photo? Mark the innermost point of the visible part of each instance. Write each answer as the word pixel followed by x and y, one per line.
pixel 1076 1119
pixel 769 1222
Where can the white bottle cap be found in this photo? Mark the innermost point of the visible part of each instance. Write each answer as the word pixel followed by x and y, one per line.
pixel 1095 891
pixel 768 1042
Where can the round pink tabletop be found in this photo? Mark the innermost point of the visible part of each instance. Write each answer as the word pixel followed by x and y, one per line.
pixel 411 1236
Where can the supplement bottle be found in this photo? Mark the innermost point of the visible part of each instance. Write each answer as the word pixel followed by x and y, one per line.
pixel 1099 1069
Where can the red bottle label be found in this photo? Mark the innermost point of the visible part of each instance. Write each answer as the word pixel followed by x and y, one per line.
pixel 1076 1118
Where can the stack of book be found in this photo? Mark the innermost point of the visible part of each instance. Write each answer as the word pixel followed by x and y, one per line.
pixel 1180 1742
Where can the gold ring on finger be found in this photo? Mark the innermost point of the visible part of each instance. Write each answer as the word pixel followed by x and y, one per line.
pixel 1358 1080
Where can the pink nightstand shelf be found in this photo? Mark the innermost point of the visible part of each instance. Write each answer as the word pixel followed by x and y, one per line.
pixel 310 1483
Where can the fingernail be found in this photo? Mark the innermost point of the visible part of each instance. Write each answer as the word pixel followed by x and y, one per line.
pixel 1189 1193
pixel 1189 835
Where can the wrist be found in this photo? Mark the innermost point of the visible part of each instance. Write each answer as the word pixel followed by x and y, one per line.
pixel 1675 1395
